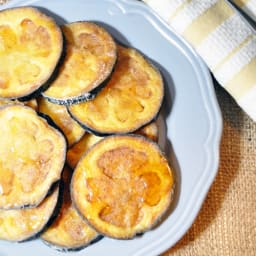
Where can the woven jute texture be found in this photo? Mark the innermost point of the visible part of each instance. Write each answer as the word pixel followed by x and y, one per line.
pixel 226 224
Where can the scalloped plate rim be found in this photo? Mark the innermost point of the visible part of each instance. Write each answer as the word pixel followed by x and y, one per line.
pixel 213 140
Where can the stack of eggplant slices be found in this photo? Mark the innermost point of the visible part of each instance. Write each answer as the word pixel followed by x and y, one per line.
pixel 79 158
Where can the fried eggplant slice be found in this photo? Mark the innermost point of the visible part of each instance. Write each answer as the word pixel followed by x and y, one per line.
pixel 25 224
pixel 77 150
pixel 122 185
pixel 31 46
pixel 69 231
pixel 32 156
pixel 131 99
pixel 88 140
pixel 30 103
pixel 89 61
pixel 150 131
pixel 72 130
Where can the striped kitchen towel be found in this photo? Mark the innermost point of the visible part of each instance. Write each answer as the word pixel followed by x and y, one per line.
pixel 222 37
pixel 248 6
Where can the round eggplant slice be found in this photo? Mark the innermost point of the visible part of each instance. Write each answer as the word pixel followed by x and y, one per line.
pixel 89 61
pixel 32 156
pixel 69 231
pixel 25 224
pixel 30 103
pixel 72 130
pixel 77 150
pixel 31 45
pixel 131 99
pixel 150 131
pixel 122 185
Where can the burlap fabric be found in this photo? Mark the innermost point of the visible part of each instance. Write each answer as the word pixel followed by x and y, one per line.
pixel 226 224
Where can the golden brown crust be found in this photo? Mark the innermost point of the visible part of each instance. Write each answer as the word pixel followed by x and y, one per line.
pixel 88 140
pixel 72 130
pixel 69 231
pixel 90 58
pixel 77 150
pixel 22 224
pixel 30 103
pixel 32 155
pixel 131 99
pixel 30 47
pixel 150 131
pixel 122 185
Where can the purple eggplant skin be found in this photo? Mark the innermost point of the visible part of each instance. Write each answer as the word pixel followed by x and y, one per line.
pixel 81 98
pixel 53 216
pixel 52 75
pixel 72 249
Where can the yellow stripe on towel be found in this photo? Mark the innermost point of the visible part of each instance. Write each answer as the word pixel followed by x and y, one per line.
pixel 222 37
pixel 236 62
pixel 239 86
pixel 167 8
pixel 207 22
pixel 248 6
pixel 241 3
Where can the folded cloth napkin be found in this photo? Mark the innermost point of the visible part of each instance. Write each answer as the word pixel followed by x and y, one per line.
pixel 248 6
pixel 222 37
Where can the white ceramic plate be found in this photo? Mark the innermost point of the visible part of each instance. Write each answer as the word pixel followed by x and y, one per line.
pixel 192 117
